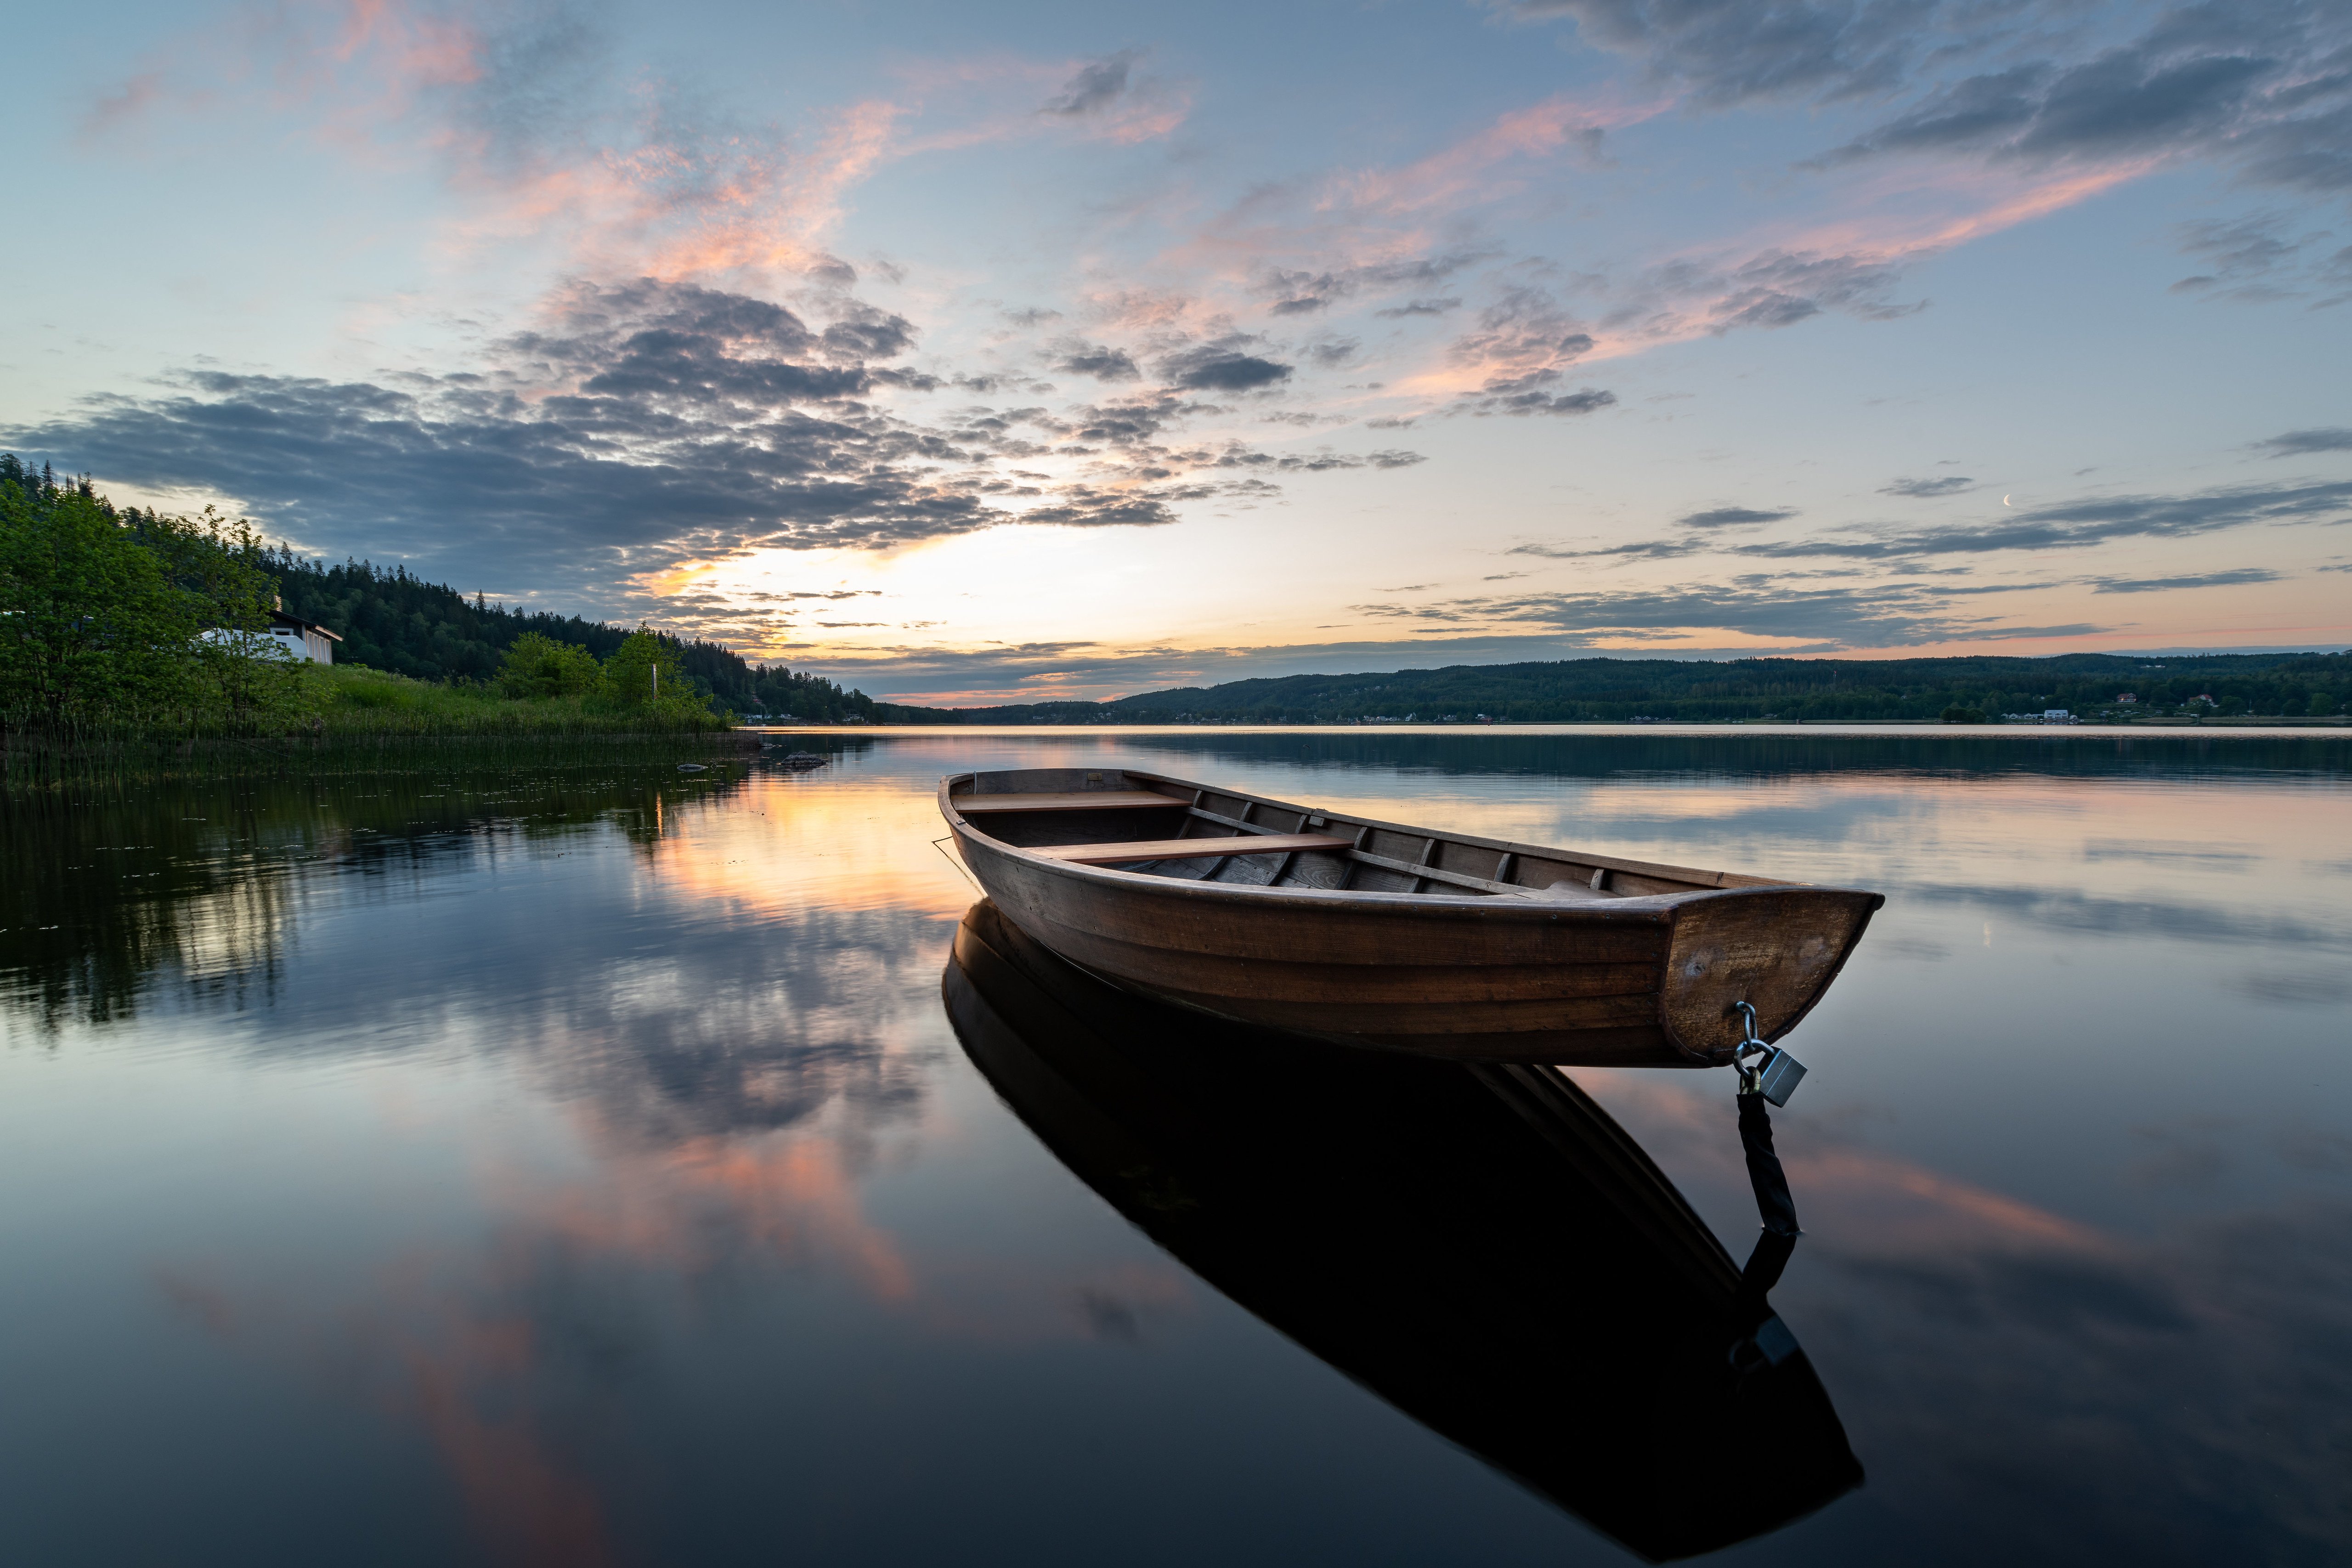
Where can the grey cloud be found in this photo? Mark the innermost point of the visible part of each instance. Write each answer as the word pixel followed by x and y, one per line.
pixel 1215 367
pixel 1031 317
pixel 1767 289
pixel 1641 550
pixel 1521 395
pixel 1333 353
pixel 2073 526
pixel 2196 580
pixel 2093 522
pixel 2259 85
pixel 1733 517
pixel 2258 257
pixel 1950 485
pixel 1779 289
pixel 1731 51
pixel 866 333
pixel 1138 419
pixel 1524 328
pixel 1297 293
pixel 1096 86
pixel 1420 307
pixel 1304 293
pixel 2124 101
pixel 646 421
pixel 1081 507
pixel 1520 404
pixel 1860 616
pixel 1075 356
pixel 2296 443
pixel 1317 462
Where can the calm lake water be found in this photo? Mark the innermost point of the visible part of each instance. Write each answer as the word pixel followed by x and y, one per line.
pixel 578 1165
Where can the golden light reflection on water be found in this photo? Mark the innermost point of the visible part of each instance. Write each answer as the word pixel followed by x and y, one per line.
pixel 786 842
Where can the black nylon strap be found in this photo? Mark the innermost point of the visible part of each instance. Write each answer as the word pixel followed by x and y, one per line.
pixel 1773 1205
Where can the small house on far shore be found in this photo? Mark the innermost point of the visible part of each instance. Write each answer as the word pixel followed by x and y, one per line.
pixel 304 639
pixel 294 637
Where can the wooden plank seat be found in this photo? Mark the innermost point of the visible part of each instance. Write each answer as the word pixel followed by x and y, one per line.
pixel 1193 849
pixel 1076 800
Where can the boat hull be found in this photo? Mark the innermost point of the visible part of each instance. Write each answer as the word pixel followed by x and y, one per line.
pixel 1643 980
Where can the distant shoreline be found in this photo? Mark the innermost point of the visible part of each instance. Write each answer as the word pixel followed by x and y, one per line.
pixel 2338 724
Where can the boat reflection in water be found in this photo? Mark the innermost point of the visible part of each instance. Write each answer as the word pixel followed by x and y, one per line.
pixel 1480 1245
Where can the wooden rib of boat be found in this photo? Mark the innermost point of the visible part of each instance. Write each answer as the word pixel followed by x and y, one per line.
pixel 1479 1243
pixel 1373 933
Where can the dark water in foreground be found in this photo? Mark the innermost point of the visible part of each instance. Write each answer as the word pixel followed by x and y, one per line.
pixel 579 1167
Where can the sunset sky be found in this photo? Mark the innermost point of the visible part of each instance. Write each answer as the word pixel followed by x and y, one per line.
pixel 1002 352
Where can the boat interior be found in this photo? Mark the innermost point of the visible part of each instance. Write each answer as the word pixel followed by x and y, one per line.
pixel 1159 827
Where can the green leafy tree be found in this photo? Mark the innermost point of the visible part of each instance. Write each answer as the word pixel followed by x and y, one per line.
pixel 645 674
pixel 539 665
pixel 90 629
pixel 241 673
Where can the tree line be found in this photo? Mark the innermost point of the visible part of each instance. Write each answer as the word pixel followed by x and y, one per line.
pixel 121 617
pixel 390 619
pixel 1619 691
pixel 118 617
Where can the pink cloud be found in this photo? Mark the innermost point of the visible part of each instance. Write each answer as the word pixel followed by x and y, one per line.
pixel 1463 172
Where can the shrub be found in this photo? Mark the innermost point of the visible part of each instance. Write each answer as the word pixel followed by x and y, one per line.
pixel 539 665
pixel 646 675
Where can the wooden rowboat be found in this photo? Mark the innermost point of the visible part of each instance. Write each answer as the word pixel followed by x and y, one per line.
pixel 1479 1243
pixel 1371 933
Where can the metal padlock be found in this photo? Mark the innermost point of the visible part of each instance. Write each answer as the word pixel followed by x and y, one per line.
pixel 1778 1075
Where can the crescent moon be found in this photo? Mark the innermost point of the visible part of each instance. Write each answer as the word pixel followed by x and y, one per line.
pixel 2005 500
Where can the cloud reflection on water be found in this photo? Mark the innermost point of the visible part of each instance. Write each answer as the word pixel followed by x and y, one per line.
pixel 670 1057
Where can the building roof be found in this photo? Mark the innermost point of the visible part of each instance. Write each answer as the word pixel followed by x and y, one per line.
pixel 280 618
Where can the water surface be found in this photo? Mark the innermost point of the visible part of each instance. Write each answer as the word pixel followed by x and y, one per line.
pixel 577 1165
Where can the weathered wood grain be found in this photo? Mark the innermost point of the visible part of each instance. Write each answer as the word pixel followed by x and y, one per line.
pixel 1064 800
pixel 1189 848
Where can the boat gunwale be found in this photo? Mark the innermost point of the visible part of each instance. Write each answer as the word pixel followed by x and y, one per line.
pixel 1637 908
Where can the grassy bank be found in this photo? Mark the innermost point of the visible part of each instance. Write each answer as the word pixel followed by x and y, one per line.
pixel 355 701
pixel 98 766
pixel 355 720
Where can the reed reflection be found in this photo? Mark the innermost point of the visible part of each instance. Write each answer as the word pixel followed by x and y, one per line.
pixel 1482 1248
pixel 203 882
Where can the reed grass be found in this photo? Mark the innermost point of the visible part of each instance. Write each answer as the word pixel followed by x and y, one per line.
pixel 363 720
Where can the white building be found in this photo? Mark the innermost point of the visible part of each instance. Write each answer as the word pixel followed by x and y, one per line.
pixel 289 637
pixel 304 639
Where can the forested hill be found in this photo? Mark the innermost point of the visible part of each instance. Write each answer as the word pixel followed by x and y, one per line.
pixel 389 618
pixel 1620 689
